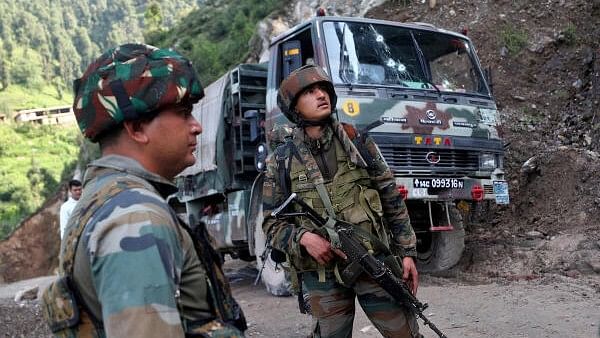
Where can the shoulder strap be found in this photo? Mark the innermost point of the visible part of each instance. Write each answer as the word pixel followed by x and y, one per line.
pixel 83 217
pixel 283 153
pixel 359 139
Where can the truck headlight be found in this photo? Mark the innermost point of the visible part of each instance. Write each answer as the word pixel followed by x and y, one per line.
pixel 487 161
pixel 260 157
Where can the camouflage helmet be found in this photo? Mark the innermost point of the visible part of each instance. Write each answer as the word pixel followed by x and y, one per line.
pixel 298 80
pixel 130 82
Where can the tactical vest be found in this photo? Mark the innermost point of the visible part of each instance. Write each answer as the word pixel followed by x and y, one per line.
pixel 351 193
pixel 68 315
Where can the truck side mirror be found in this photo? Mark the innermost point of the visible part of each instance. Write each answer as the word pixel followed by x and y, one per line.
pixel 488 78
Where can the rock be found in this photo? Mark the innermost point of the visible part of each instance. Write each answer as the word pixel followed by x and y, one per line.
pixel 530 166
pixel 572 273
pixel 594 264
pixel 538 46
pixel 503 51
pixel 27 294
pixel 534 234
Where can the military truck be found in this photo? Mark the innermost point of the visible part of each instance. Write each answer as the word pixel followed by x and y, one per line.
pixel 419 89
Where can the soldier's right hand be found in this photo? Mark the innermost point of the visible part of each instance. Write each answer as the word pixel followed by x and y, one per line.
pixel 319 248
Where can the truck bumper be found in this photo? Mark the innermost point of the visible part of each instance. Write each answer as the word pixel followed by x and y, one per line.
pixel 469 189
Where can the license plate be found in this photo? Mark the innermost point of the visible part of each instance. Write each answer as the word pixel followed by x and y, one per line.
pixel 439 183
pixel 501 192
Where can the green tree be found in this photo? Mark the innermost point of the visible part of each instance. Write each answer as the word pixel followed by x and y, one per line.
pixel 4 71
pixel 153 18
pixel 27 69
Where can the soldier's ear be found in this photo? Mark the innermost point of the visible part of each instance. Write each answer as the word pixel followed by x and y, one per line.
pixel 136 130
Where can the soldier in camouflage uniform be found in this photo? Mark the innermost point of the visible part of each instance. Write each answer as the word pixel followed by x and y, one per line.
pixel 325 167
pixel 134 268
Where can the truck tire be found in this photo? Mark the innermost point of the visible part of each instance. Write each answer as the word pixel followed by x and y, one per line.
pixel 274 277
pixel 439 251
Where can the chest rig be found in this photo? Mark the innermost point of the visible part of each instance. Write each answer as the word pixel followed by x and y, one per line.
pixel 348 196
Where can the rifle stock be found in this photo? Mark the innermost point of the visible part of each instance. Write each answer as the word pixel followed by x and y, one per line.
pixel 356 252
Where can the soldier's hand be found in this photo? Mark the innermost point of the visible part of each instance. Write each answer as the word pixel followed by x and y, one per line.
pixel 410 275
pixel 319 248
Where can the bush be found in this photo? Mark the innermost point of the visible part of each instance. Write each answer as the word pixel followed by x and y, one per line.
pixel 513 39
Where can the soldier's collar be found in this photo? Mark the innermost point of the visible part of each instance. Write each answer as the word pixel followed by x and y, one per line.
pixel 132 167
pixel 321 144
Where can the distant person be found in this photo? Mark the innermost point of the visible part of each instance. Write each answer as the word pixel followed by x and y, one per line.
pixel 67 208
pixel 134 268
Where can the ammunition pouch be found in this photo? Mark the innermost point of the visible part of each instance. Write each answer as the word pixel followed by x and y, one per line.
pixel 60 306
pixel 62 312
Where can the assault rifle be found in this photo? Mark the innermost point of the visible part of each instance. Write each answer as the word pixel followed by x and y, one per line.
pixel 356 252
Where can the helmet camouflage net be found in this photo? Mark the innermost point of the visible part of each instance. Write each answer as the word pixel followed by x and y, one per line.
pixel 131 82
pixel 293 85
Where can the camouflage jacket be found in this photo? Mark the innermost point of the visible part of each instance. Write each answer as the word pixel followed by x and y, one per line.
pixel 285 235
pixel 136 267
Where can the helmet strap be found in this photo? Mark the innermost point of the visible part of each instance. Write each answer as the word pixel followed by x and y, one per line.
pixel 309 123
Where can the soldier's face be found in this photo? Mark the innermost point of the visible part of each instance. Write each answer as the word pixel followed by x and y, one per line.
pixel 314 103
pixel 172 140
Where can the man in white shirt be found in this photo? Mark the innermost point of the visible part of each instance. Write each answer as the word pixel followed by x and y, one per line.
pixel 67 207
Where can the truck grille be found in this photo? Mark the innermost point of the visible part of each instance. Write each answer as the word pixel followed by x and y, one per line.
pixel 412 161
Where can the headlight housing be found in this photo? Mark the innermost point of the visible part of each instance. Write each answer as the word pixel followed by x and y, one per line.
pixel 487 161
pixel 260 157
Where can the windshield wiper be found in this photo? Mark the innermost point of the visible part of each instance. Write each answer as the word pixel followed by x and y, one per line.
pixel 342 59
pixel 423 64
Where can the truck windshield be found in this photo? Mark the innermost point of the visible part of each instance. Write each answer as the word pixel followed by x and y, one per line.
pixel 371 54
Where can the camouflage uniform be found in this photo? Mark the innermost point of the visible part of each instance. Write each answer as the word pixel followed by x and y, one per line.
pixel 129 267
pixel 136 268
pixel 362 192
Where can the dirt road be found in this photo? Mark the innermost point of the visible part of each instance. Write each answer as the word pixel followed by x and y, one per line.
pixel 551 306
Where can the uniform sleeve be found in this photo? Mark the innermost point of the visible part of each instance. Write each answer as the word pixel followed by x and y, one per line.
pixel 283 235
pixel 395 212
pixel 136 259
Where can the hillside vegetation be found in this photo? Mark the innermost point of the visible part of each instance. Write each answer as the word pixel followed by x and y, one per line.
pixel 50 43
pixel 218 35
pixel 43 48
pixel 34 160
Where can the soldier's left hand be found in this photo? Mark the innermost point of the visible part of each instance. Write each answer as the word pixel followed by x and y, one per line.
pixel 410 275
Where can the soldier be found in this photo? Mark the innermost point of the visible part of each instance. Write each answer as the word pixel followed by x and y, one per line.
pixel 133 268
pixel 324 165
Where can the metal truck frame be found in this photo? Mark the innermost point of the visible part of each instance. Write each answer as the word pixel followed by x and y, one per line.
pixel 438 129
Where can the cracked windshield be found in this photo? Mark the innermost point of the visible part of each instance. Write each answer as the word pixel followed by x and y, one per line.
pixel 364 54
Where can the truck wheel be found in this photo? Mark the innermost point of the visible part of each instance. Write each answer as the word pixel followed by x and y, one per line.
pixel 275 279
pixel 439 251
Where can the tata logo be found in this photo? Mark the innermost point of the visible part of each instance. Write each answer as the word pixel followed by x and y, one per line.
pixel 433 140
pixel 430 114
pixel 433 157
